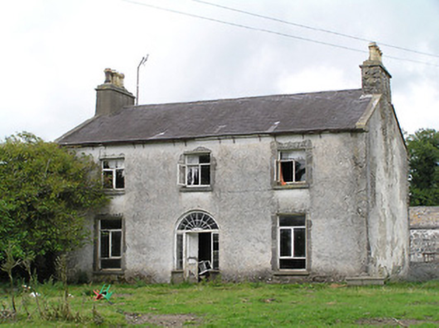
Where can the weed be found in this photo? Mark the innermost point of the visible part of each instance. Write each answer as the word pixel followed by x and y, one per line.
pixel 97 318
pixel 139 282
pixel 8 265
pixel 244 304
pixel 6 314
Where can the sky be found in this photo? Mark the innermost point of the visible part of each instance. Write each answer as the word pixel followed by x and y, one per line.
pixel 54 54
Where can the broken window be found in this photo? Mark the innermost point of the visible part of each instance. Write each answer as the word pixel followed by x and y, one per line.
pixel 195 172
pixel 113 173
pixel 110 244
pixel 292 242
pixel 291 167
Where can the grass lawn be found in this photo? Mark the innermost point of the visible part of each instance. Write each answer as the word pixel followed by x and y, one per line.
pixel 229 305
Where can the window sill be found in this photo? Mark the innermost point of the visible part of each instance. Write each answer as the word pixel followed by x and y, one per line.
pixel 291 186
pixel 298 272
pixel 214 271
pixel 114 192
pixel 195 189
pixel 105 272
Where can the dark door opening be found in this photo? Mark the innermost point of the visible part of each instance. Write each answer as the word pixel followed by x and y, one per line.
pixel 205 246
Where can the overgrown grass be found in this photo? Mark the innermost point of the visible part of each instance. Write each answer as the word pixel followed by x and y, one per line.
pixel 236 305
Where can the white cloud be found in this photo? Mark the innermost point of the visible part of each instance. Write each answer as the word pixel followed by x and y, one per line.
pixel 418 107
pixel 319 78
pixel 54 53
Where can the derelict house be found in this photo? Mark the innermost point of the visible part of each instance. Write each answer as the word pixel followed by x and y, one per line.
pixel 273 188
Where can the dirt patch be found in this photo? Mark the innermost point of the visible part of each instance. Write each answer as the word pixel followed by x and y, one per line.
pixel 337 285
pixel 164 320
pixel 393 322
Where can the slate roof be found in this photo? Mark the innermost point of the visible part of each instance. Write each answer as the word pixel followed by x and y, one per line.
pixel 334 111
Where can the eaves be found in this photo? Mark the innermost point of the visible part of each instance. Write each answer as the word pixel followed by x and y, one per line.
pixel 212 137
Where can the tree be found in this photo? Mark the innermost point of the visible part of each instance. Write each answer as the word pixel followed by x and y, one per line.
pixel 423 148
pixel 46 192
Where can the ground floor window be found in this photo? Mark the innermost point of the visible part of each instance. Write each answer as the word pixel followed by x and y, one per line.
pixel 292 242
pixel 110 241
pixel 197 242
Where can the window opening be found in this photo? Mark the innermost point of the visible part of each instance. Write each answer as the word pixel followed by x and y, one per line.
pixel 113 173
pixel 195 171
pixel 292 242
pixel 110 243
pixel 291 167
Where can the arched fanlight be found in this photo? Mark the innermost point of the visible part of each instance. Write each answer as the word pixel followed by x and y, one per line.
pixel 197 221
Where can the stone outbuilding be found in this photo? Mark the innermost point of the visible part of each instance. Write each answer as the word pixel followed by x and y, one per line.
pixel 274 188
pixel 424 243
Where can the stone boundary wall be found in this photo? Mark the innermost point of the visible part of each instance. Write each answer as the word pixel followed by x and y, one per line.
pixel 424 243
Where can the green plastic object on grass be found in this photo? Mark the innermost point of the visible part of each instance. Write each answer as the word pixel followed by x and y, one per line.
pixel 103 293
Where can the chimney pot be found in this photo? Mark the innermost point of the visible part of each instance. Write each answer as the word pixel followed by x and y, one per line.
pixel 375 54
pixel 108 74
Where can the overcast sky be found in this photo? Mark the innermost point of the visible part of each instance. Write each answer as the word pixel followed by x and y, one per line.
pixel 54 54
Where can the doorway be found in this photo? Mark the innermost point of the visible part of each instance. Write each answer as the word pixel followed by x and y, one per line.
pixel 199 255
pixel 197 246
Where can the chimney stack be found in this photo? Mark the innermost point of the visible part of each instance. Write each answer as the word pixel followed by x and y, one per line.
pixel 112 95
pixel 375 77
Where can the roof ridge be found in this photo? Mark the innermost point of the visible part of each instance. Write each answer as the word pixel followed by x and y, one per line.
pixel 194 102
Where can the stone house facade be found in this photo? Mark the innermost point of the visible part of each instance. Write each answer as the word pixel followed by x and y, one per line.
pixel 273 188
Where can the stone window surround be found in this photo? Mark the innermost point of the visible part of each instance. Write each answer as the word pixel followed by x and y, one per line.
pixel 275 245
pixel 96 265
pixel 182 174
pixel 278 147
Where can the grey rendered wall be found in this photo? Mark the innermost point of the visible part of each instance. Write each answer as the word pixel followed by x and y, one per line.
pixel 388 224
pixel 338 205
pixel 241 202
pixel 244 204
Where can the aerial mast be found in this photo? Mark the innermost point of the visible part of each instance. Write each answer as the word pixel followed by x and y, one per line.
pixel 142 62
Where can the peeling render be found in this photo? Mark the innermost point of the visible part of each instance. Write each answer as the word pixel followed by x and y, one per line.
pixel 245 206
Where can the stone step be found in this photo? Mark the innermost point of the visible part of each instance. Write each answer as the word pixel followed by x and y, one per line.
pixel 364 281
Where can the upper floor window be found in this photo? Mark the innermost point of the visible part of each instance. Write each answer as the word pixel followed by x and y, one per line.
pixel 291 167
pixel 113 173
pixel 195 172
